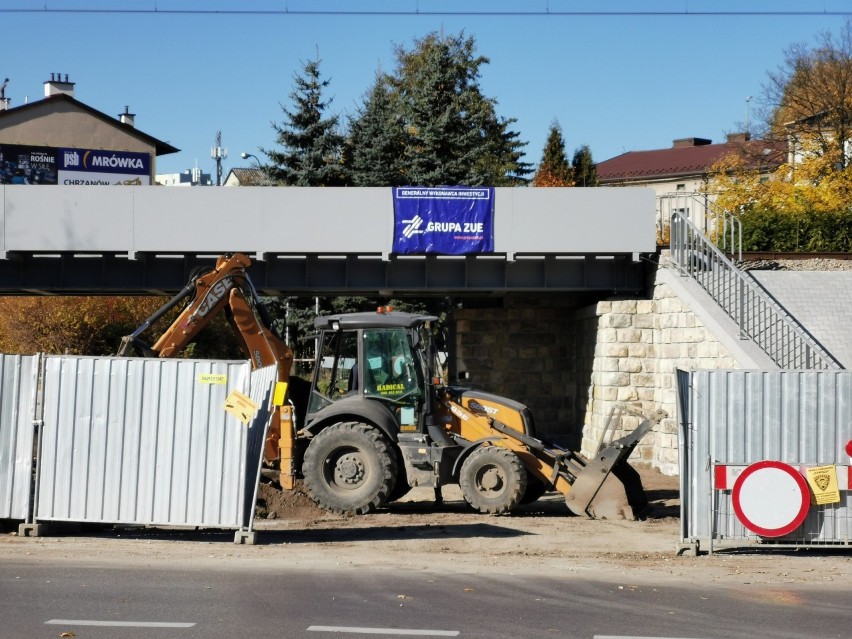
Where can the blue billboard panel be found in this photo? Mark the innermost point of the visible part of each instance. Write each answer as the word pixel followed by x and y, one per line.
pixel 99 167
pixel 443 220
pixel 23 164
pixel 20 164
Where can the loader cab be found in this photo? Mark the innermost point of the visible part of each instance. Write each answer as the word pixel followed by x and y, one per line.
pixel 372 357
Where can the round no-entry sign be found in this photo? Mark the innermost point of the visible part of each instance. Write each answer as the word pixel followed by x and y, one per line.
pixel 771 498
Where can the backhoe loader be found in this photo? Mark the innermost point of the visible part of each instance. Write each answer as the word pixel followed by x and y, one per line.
pixel 380 417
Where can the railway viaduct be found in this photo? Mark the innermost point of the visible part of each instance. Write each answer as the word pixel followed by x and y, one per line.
pixel 571 311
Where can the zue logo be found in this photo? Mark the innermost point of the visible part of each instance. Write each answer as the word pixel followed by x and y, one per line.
pixel 412 227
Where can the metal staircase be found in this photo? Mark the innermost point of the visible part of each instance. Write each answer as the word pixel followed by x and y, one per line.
pixel 705 242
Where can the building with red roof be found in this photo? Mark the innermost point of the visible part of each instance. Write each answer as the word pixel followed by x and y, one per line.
pixel 685 167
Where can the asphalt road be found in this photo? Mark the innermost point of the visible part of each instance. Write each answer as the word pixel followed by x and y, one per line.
pixel 39 599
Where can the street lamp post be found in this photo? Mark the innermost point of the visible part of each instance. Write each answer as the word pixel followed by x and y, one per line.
pixel 748 112
pixel 246 156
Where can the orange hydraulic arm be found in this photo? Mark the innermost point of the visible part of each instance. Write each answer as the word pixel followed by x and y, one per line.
pixel 227 288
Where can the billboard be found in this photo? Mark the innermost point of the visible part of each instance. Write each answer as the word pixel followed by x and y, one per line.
pixel 98 167
pixel 27 164
pixel 20 164
pixel 443 220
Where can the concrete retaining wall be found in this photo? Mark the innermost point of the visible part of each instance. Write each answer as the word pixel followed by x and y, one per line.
pixel 639 346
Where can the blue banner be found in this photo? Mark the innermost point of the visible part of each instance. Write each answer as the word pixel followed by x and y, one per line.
pixel 27 164
pixel 94 167
pixel 48 165
pixel 99 161
pixel 445 220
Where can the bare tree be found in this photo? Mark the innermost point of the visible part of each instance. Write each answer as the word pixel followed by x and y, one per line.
pixel 808 99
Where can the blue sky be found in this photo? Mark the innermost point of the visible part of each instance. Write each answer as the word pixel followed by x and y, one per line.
pixel 614 82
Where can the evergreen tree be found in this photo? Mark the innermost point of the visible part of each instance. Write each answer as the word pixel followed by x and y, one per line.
pixel 583 167
pixel 553 170
pixel 311 146
pixel 376 141
pixel 448 130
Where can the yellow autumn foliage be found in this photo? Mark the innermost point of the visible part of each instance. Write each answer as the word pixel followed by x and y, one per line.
pixel 545 178
pixel 813 184
pixel 77 325
pixel 70 324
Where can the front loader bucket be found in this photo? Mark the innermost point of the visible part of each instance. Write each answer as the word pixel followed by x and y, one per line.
pixel 619 496
pixel 608 487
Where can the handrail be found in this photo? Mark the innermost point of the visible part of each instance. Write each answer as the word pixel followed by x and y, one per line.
pixel 722 227
pixel 759 317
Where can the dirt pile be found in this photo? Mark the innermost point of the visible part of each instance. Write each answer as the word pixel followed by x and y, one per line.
pixel 274 503
pixel 296 505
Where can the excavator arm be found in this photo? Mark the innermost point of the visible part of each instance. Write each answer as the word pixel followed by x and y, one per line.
pixel 227 289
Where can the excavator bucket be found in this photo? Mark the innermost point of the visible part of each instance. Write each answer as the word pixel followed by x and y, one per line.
pixel 608 487
pixel 619 495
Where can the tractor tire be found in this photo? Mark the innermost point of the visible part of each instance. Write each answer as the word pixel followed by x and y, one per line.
pixel 535 490
pixel 401 488
pixel 349 468
pixel 493 480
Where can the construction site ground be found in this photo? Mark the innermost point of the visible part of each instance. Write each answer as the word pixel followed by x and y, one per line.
pixel 416 534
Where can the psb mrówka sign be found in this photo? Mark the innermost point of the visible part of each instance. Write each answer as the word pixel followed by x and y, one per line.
pixel 21 164
pixel 97 167
pixel 444 220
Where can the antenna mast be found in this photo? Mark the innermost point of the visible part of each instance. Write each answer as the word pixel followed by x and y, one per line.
pixel 218 154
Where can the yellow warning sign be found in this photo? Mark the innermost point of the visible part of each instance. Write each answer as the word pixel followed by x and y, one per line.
pixel 279 394
pixel 240 406
pixel 823 483
pixel 212 378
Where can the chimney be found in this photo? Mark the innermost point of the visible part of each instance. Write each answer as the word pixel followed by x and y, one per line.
pixel 683 143
pixel 734 138
pixel 127 117
pixel 57 85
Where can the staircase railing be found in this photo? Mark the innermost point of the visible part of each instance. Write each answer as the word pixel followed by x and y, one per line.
pixel 696 253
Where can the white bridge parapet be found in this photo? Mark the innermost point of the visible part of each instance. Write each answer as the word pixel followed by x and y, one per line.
pixel 305 220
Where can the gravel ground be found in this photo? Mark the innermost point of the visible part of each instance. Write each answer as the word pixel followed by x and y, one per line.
pixel 811 264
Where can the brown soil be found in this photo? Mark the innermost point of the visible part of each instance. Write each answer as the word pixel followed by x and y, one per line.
pixel 296 505
pixel 418 534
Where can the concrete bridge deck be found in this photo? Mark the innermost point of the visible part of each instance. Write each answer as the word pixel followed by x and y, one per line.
pixel 308 241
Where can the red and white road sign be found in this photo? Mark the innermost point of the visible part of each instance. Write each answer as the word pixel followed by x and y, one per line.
pixel 771 498
pixel 725 475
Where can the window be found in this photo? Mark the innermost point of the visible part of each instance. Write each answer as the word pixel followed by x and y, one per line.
pixel 389 364
pixel 336 376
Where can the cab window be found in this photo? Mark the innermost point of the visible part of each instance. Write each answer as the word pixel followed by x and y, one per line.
pixel 336 376
pixel 389 365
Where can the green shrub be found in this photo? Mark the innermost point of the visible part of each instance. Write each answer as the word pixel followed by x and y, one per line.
pixel 766 230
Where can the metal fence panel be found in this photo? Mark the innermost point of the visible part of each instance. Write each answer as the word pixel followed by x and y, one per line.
pixel 739 418
pixel 145 441
pixel 261 387
pixel 18 382
pixel 688 455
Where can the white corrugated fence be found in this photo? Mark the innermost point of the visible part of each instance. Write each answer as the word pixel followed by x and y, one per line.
pixel 765 458
pixel 18 381
pixel 136 441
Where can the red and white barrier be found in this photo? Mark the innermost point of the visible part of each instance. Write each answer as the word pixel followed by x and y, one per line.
pixel 772 498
